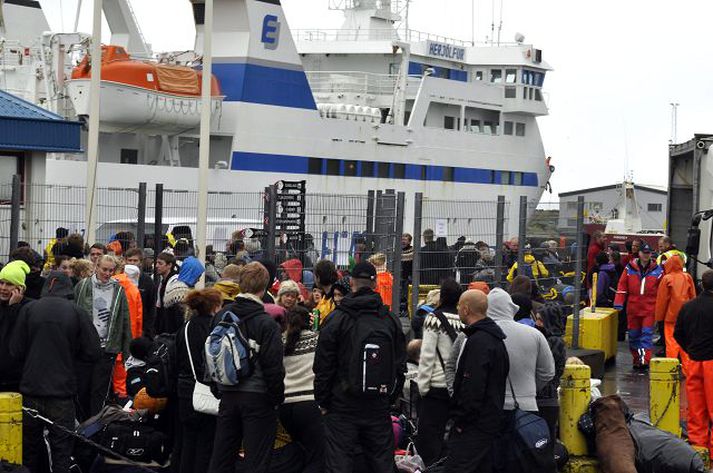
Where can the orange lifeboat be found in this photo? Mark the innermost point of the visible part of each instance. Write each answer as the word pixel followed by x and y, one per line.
pixel 142 94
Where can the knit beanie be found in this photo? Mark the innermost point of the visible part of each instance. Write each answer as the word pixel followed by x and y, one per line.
pixel 287 287
pixel 15 273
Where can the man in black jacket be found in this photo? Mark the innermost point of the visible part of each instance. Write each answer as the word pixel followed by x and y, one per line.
pixel 52 334
pixel 12 299
pixel 248 411
pixel 478 390
pixel 694 333
pixel 361 342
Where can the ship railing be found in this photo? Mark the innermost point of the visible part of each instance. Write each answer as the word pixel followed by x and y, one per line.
pixel 356 82
pixel 383 34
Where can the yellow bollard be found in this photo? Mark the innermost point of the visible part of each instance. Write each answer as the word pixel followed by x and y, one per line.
pixel 11 427
pixel 665 394
pixel 574 400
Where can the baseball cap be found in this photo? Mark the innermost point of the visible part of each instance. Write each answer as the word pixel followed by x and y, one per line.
pixel 364 271
pixel 645 248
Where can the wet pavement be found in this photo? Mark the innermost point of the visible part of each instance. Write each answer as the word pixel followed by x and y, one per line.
pixel 632 386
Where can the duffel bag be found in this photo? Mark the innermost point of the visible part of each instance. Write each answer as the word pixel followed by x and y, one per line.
pixel 136 441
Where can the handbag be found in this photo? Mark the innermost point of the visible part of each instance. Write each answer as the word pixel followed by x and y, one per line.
pixel 203 399
pixel 530 445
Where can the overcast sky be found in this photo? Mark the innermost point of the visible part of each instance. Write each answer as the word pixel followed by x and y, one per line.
pixel 618 65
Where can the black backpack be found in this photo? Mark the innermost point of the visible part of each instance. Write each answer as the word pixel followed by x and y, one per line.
pixel 161 367
pixel 136 441
pixel 372 369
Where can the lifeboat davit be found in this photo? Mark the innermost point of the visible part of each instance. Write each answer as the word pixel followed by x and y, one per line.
pixel 142 95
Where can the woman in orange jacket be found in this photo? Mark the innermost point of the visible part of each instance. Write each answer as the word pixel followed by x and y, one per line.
pixel 129 280
pixel 676 288
pixel 384 279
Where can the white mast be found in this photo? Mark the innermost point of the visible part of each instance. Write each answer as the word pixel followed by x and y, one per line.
pixel 93 135
pixel 204 148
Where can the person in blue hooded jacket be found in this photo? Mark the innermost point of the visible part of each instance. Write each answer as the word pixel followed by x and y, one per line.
pixel 177 289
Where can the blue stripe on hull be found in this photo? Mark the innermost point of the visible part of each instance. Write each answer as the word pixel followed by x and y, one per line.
pixel 241 82
pixel 278 163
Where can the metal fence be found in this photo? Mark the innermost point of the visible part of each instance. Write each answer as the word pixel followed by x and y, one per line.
pixel 466 240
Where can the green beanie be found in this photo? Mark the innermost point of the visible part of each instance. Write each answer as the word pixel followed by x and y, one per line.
pixel 15 272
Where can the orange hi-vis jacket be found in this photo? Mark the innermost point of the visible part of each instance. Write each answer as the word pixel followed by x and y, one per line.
pixel 675 289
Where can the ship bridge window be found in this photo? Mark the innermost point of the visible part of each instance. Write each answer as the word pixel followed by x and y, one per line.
pixel 449 123
pixel 333 166
pixel 478 75
pixel 505 177
pixel 367 169
pixel 510 76
pixel 475 126
pixel 384 169
pixel 314 166
pixel 508 128
pixel 399 171
pixel 129 156
pixel 654 207
pixel 510 92
pixel 538 95
pixel 533 78
pixel 517 179
pixel 519 129
pixel 350 168
pixel 496 76
pixel 448 174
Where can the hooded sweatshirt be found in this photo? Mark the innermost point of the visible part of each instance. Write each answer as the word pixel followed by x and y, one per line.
pixel 189 274
pixel 675 289
pixel 531 363
pixel 51 336
pixel 534 269
pixel 111 316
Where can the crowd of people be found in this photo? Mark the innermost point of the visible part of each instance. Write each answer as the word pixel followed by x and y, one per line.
pixel 318 356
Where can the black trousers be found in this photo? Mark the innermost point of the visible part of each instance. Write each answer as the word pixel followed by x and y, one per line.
pixel 34 449
pixel 433 415
pixel 373 431
pixel 246 419
pixel 551 414
pixel 94 385
pixel 303 421
pixel 470 451
pixel 198 432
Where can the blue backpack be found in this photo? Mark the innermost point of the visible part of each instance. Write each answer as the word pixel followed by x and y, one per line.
pixel 229 354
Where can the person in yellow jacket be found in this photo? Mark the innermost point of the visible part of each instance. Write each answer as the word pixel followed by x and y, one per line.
pixel 325 275
pixel 534 269
pixel 667 249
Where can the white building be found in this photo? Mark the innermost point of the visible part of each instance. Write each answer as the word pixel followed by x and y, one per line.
pixel 601 203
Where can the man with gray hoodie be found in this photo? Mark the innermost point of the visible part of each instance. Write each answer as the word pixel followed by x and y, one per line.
pixel 531 363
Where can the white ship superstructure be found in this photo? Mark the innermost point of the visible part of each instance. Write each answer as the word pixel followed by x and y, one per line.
pixel 366 106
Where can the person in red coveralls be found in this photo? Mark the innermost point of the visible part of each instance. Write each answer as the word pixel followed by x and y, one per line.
pixel 596 246
pixel 637 289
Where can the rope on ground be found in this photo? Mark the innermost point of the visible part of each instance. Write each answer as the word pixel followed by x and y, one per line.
pixel 36 415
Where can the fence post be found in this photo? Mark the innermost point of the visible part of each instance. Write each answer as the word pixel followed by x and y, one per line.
pixel 141 216
pixel 522 233
pixel 271 221
pixel 499 239
pixel 15 212
pixel 578 272
pixel 416 265
pixel 398 252
pixel 158 223
pixel 370 209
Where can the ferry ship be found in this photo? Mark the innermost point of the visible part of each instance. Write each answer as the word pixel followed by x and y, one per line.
pixel 370 105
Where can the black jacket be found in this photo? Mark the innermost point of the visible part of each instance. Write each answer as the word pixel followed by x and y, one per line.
pixel 148 302
pixel 694 327
pixel 335 349
pixel 481 377
pixel 199 327
pixel 435 263
pixel 51 336
pixel 10 370
pixel 553 317
pixel 269 375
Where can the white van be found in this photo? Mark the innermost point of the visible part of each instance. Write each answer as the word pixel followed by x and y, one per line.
pixel 218 234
